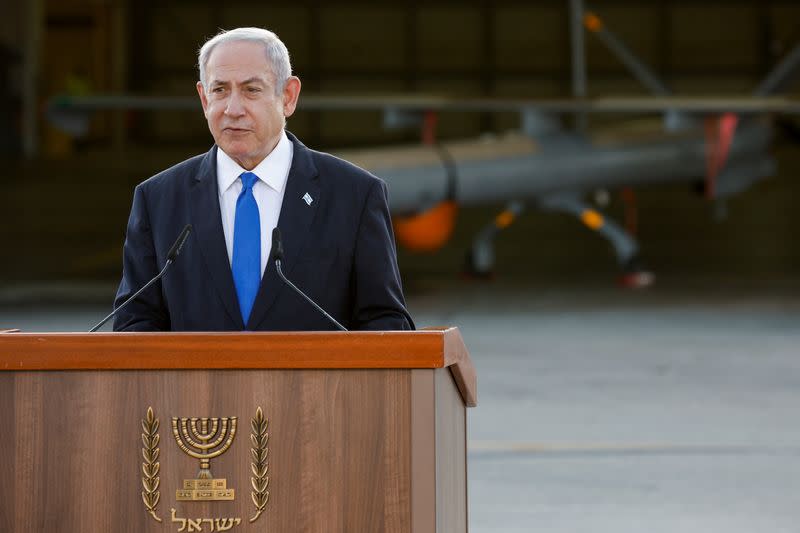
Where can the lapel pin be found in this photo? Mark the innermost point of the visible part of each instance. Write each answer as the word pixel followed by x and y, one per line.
pixel 307 198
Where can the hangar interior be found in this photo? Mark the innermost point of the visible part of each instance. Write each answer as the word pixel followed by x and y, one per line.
pixel 499 50
pixel 600 409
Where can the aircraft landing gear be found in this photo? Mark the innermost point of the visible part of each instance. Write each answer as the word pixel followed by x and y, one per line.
pixel 480 258
pixel 479 262
pixel 634 275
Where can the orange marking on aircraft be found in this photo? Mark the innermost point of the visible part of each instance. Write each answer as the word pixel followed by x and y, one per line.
pixel 428 231
pixel 504 219
pixel 592 219
pixel 592 22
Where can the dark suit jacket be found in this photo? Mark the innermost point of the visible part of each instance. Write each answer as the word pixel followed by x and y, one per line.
pixel 339 250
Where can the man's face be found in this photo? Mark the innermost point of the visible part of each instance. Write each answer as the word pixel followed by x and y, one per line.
pixel 244 114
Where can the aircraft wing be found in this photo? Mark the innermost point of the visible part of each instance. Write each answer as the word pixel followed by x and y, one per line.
pixel 647 104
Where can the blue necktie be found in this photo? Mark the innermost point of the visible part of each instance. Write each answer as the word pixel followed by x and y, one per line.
pixel 246 262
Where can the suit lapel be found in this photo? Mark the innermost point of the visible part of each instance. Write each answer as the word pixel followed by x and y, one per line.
pixel 207 223
pixel 294 222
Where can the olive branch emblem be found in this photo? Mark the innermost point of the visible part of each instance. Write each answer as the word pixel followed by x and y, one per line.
pixel 150 466
pixel 259 466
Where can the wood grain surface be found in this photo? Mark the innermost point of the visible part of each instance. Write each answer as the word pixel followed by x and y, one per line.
pixel 339 448
pixel 423 452
pixel 451 456
pixel 359 428
pixel 430 348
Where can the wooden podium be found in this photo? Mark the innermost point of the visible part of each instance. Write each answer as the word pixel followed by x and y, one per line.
pixel 359 432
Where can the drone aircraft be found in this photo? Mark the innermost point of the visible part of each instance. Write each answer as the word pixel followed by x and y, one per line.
pixel 722 144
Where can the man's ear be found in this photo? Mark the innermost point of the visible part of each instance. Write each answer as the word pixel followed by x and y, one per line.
pixel 291 92
pixel 203 98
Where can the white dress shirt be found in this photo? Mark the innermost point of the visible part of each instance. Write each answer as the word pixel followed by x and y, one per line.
pixel 268 191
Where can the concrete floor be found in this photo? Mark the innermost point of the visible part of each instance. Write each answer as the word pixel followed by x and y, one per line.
pixel 602 410
pixel 672 409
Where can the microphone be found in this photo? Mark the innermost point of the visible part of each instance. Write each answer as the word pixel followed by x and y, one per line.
pixel 173 253
pixel 177 246
pixel 277 245
pixel 277 256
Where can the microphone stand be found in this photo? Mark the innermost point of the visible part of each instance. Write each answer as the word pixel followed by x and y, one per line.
pixel 173 253
pixel 137 293
pixel 301 293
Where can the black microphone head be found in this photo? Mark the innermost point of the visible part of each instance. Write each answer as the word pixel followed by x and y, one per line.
pixel 179 242
pixel 277 247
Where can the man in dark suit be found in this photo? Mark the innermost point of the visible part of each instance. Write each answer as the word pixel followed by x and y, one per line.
pixel 333 216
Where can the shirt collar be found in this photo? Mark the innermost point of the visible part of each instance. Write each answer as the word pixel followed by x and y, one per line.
pixel 272 170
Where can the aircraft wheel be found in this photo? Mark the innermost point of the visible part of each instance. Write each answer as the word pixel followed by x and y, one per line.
pixel 476 270
pixel 636 276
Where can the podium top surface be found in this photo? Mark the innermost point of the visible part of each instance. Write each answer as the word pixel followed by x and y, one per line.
pixel 428 348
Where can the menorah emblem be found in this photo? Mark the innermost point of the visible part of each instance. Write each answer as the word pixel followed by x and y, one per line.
pixel 204 439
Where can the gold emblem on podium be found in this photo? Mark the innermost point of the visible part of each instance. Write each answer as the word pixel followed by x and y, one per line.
pixel 259 467
pixel 150 465
pixel 204 439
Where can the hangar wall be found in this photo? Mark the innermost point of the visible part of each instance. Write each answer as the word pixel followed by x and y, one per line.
pixel 83 187
pixel 469 48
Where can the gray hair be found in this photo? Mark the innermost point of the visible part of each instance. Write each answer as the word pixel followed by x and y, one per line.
pixel 276 51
